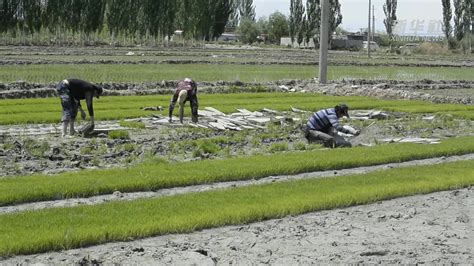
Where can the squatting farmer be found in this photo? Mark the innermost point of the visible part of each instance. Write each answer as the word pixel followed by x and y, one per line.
pixel 71 92
pixel 186 90
pixel 323 126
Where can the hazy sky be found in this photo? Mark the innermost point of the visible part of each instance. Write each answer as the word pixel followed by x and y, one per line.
pixel 417 17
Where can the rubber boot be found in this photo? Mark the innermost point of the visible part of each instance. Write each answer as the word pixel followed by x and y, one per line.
pixel 194 114
pixel 72 131
pixel 181 113
pixel 64 129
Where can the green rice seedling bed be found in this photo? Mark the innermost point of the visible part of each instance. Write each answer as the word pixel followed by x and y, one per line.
pixel 212 72
pixel 158 175
pixel 20 111
pixel 66 228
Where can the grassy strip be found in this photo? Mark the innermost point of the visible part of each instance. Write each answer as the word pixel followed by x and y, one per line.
pixel 17 111
pixel 209 72
pixel 157 175
pixel 66 228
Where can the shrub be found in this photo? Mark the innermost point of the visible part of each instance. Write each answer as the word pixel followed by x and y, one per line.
pixel 431 48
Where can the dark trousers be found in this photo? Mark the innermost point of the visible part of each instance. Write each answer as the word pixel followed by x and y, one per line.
pixel 328 138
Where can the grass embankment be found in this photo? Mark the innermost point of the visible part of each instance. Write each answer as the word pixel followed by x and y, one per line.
pixel 157 175
pixel 65 228
pixel 213 72
pixel 48 110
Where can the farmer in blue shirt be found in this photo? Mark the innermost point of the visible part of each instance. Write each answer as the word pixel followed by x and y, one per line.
pixel 323 126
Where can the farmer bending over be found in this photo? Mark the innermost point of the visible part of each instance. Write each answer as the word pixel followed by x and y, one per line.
pixel 323 125
pixel 71 92
pixel 185 90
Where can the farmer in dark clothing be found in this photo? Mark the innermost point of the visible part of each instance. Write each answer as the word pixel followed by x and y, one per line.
pixel 186 90
pixel 323 125
pixel 71 92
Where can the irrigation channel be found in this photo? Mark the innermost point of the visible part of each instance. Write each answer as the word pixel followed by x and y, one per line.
pixel 434 228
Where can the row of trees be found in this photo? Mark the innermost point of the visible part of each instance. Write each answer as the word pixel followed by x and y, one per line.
pixel 463 22
pixel 304 23
pixel 199 19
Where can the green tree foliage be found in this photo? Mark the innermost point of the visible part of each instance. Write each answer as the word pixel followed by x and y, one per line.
pixel 8 15
pixel 277 27
pixel 463 20
pixel 302 31
pixel 390 10
pixel 313 20
pixel 92 18
pixel 203 19
pixel 248 31
pixel 247 10
pixel 336 19
pixel 447 27
pixel 223 10
pixel 116 14
pixel 458 20
pixel 169 17
pixel 234 16
pixel 447 16
pixel 134 19
pixel 296 18
pixel 72 12
pixel 30 12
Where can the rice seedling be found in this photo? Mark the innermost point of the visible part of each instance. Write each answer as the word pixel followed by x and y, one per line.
pixel 147 176
pixel 66 228
pixel 299 146
pixel 278 147
pixel 119 134
pixel 210 72
pixel 132 124
pixel 19 111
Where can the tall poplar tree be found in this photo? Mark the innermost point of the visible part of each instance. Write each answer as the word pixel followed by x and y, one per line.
pixel 169 17
pixel 234 16
pixel 296 18
pixel 336 19
pixel 313 17
pixel 222 11
pixel 8 11
pixel 30 13
pixel 92 18
pixel 390 10
pixel 247 9
pixel 447 16
pixel 313 20
pixel 72 12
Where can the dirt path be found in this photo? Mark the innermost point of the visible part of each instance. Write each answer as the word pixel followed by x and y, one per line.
pixel 435 228
pixel 119 196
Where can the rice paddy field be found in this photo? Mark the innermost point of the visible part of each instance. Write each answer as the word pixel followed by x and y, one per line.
pixel 146 191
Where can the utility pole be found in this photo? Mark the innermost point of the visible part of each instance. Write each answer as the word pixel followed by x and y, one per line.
pixel 368 32
pixel 323 42
pixel 373 22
